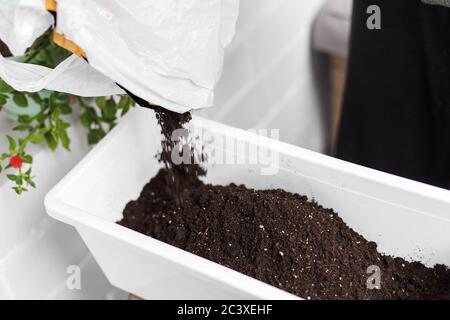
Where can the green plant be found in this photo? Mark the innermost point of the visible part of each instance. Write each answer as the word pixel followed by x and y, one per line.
pixel 98 116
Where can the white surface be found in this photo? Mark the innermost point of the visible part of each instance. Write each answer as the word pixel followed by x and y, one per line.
pixel 268 80
pixel 405 218
pixel 167 52
pixel 36 250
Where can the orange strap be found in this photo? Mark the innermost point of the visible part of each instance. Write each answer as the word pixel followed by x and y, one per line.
pixel 50 5
pixel 59 39
pixel 67 44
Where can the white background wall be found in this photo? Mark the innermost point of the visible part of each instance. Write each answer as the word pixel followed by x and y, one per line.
pixel 267 83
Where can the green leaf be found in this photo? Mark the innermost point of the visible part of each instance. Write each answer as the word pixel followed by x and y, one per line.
pixel 19 180
pixel 55 135
pixel 51 141
pixel 4 87
pixel 24 119
pixel 109 112
pixel 123 102
pixel 55 114
pixel 22 127
pixel 1 168
pixel 11 177
pixel 86 120
pixel 27 158
pixel 12 143
pixel 53 98
pixel 21 142
pixel 3 100
pixel 36 98
pixel 20 99
pixel 65 109
pixel 125 110
pixel 95 135
pixel 101 102
pixel 61 126
pixel 65 140
pixel 31 183
pixel 18 190
pixel 36 138
pixel 112 126
pixel 42 116
pixel 44 130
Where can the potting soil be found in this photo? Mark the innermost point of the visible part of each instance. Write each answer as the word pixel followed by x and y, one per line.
pixel 275 236
pixel 180 176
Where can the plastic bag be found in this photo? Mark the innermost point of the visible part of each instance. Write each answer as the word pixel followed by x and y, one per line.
pixel 168 52
pixel 21 23
pixel 74 75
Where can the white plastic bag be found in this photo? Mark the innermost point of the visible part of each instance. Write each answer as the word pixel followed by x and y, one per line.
pixel 168 52
pixel 21 23
pixel 74 75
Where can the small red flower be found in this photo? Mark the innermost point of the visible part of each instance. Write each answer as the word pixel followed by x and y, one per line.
pixel 16 162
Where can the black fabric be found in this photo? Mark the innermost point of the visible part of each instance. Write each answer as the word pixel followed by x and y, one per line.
pixel 396 113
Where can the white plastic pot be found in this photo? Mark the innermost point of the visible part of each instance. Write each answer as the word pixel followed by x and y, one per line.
pixel 405 218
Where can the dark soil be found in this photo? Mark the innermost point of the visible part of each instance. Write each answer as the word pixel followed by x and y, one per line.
pixel 182 176
pixel 279 238
pixel 272 235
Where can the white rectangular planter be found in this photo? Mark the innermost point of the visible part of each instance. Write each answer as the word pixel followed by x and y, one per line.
pixel 405 218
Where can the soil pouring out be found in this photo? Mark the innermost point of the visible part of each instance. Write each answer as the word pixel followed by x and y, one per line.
pixel 275 236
